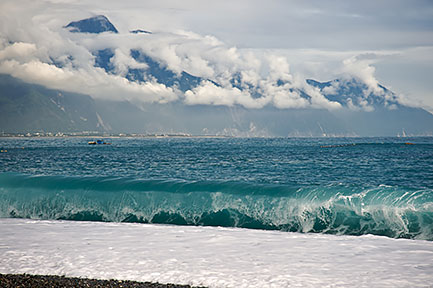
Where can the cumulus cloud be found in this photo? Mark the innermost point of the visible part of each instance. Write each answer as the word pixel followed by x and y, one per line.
pixel 22 51
pixel 94 82
pixel 276 86
pixel 332 89
pixel 209 93
pixel 122 61
pixel 283 100
pixel 35 47
pixel 361 68
pixel 279 68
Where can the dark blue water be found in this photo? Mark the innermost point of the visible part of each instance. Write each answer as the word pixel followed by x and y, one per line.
pixel 351 186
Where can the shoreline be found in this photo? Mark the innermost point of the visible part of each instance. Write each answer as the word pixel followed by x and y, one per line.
pixel 29 280
pixel 187 136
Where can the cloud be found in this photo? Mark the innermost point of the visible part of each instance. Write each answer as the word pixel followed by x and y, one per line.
pixel 361 68
pixel 19 50
pixel 332 89
pixel 122 61
pixel 50 55
pixel 284 100
pixel 35 47
pixel 279 68
pixel 208 93
pixel 95 82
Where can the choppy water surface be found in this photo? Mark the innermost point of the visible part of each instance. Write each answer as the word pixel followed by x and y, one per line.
pixel 349 186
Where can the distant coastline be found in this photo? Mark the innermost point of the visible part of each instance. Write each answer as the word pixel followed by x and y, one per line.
pixel 105 135
pixel 86 134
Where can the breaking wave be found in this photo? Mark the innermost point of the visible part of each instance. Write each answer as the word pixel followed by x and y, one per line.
pixel 391 211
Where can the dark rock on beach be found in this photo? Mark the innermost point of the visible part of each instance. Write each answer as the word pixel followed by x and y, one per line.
pixel 25 280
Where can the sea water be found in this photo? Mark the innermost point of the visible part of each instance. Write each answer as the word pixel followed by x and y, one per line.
pixel 312 186
pixel 349 186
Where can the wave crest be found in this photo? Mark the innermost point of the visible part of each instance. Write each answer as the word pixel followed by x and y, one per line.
pixel 336 209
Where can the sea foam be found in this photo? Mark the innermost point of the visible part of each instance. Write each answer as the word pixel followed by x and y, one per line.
pixel 211 256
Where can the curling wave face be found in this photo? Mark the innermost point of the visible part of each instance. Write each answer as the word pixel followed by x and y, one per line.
pixel 335 209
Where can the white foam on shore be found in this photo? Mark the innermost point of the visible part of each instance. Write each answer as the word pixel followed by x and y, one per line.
pixel 211 256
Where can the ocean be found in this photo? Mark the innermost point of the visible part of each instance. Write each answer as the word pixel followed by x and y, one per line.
pixel 360 190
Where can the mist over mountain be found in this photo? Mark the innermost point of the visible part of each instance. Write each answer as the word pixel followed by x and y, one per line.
pixel 140 82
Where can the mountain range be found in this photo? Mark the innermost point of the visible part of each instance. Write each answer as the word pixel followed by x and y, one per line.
pixel 26 107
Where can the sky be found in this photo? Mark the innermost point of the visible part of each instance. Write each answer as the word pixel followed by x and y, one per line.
pixel 388 42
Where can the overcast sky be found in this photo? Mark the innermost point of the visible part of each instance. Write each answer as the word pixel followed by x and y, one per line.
pixel 394 38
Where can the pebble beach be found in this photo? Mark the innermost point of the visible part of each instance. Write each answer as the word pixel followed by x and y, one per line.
pixel 35 281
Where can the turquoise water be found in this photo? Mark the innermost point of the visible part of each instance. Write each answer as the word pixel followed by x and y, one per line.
pixel 350 186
